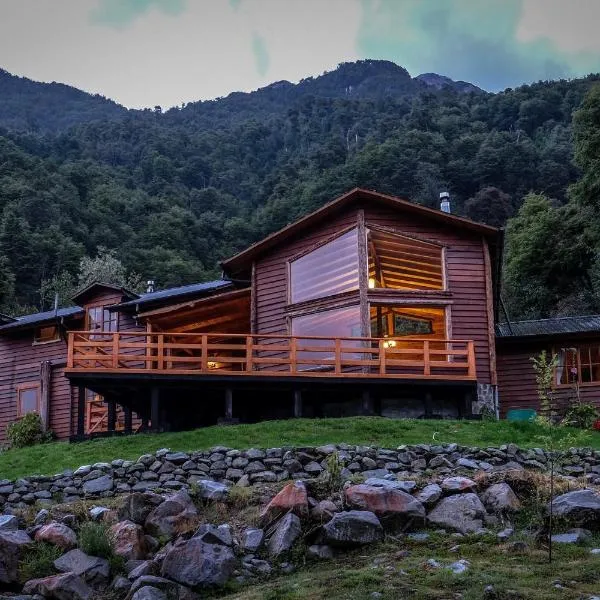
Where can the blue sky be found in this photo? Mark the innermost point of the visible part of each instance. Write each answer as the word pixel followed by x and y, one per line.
pixel 166 52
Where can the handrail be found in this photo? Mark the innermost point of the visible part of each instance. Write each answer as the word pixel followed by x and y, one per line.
pixel 270 354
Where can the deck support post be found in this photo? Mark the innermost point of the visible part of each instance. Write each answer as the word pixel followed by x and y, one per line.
pixel 155 409
pixel 112 416
pixel 80 411
pixel 427 403
pixel 228 403
pixel 367 402
pixel 297 404
pixel 128 420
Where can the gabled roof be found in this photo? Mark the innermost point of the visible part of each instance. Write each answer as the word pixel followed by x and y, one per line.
pixel 36 319
pixel 244 258
pixel 549 327
pixel 175 294
pixel 92 289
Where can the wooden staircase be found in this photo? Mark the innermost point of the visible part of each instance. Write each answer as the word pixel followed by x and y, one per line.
pixel 96 417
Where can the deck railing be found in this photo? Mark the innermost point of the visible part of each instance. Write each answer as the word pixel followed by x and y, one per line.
pixel 270 355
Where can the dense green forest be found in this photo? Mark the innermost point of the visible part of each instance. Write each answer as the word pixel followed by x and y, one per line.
pixel 170 193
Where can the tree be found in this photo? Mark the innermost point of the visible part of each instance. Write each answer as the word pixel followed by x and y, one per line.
pixel 489 205
pixel 106 267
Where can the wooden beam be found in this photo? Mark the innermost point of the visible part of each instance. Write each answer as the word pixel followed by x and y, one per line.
pixel 112 415
pixel 155 409
pixel 253 301
pixel 45 377
pixel 80 411
pixel 363 276
pixel 489 297
pixel 297 403
pixel 128 419
pixel 228 403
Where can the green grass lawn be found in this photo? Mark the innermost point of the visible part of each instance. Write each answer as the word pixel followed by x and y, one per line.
pixel 52 458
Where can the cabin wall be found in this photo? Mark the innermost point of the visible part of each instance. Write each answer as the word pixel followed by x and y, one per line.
pixel 517 387
pixel 465 272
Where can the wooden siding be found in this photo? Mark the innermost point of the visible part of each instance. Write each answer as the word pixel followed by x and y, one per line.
pixel 516 378
pixel 465 276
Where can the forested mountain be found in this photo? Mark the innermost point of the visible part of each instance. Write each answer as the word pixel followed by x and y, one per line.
pixel 174 192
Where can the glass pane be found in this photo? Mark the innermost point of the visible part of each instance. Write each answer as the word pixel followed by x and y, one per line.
pixel 402 263
pixel 28 400
pixel 330 269
pixel 389 321
pixel 46 334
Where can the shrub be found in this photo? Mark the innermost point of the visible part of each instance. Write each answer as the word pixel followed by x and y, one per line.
pixel 95 539
pixel 27 431
pixel 334 468
pixel 39 561
pixel 581 415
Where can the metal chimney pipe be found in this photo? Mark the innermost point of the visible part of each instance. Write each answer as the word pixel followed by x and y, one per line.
pixel 445 202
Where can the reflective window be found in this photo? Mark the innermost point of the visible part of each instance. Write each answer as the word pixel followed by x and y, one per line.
pixel 390 321
pixel 28 398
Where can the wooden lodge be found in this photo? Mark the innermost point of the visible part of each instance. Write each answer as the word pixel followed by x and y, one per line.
pixel 369 305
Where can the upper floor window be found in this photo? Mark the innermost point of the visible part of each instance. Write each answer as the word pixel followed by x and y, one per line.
pixel 402 263
pixel 46 333
pixel 28 398
pixel 100 318
pixel 329 269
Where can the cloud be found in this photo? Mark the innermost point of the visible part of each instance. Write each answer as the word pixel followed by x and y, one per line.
pixel 120 13
pixel 482 42
pixel 261 54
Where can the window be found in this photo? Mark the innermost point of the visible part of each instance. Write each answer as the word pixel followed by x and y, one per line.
pixel 330 269
pixel 401 263
pixel 28 396
pixel 101 319
pixel 47 333
pixel 389 321
pixel 578 365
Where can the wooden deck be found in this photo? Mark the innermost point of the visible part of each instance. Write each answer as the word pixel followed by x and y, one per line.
pixel 237 355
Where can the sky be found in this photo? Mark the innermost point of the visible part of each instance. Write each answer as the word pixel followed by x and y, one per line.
pixel 144 53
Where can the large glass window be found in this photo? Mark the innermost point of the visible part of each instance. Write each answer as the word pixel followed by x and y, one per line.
pixel 402 263
pixel 330 269
pixel 101 319
pixel 578 364
pixel 390 321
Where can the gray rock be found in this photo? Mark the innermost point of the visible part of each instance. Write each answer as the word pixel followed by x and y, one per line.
pixel 170 588
pixel 320 551
pixel 92 569
pixel 505 534
pixel 97 513
pixel 137 506
pixel 463 513
pixel 574 536
pixel 9 523
pixel 254 454
pixel 211 534
pixel 66 586
pixel 404 486
pixel 82 471
pixel 196 563
pixel 581 507
pixel 177 457
pixel 148 593
pixel 313 468
pixel 352 528
pixel 287 532
pixel 212 490
pixel 175 516
pixel 12 546
pixel 430 494
pixel 457 485
pixel 500 498
pixel 42 517
pixel 252 539
pixel 460 566
pixel 467 464
pixel 120 584
pixel 146 567
pixel 96 486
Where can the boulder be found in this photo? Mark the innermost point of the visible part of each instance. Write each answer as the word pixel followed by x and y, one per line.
pixel 146 567
pixel 211 534
pixel 138 506
pixel 292 498
pixel 430 494
pixel 252 539
pixel 404 486
pixel 93 570
pixel 574 536
pixel 12 546
pixel 212 490
pixel 352 528
pixel 97 486
pixel 57 534
pixel 286 533
pixel 9 523
pixel 323 511
pixel 42 517
pixel 170 588
pixel 500 498
pixel 66 586
pixel 580 507
pixel 129 540
pixel 196 563
pixel 177 515
pixel 148 593
pixel 391 505
pixel 458 485
pixel 320 551
pixel 463 513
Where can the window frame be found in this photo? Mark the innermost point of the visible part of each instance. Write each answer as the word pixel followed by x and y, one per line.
pixel 103 307
pixel 30 385
pixel 556 351
pixel 41 342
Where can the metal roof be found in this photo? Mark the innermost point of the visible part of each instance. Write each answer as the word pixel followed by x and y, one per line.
pixel 174 293
pixel 38 318
pixel 547 327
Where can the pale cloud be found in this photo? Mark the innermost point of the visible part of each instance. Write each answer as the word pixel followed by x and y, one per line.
pixel 261 54
pixel 119 13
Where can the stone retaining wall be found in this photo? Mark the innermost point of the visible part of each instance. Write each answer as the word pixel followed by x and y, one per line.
pixel 167 470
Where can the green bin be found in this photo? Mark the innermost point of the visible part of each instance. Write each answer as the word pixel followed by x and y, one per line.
pixel 521 414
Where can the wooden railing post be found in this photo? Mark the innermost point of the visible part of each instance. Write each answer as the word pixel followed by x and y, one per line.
pixel 115 351
pixel 204 353
pixel 293 356
pixel 426 358
pixel 249 353
pixel 160 353
pixel 70 350
pixel 338 356
pixel 471 359
pixel 382 357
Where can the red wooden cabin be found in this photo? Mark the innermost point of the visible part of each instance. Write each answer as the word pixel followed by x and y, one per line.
pixel 371 304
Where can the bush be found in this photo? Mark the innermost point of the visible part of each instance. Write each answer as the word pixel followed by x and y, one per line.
pixel 27 431
pixel 581 415
pixel 39 561
pixel 95 539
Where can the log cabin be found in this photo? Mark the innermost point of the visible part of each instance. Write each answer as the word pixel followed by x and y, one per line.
pixel 369 305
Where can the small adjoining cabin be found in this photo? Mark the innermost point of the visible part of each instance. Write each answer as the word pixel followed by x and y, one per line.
pixel 369 305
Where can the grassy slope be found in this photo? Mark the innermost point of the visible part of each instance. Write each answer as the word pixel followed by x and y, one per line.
pixel 53 458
